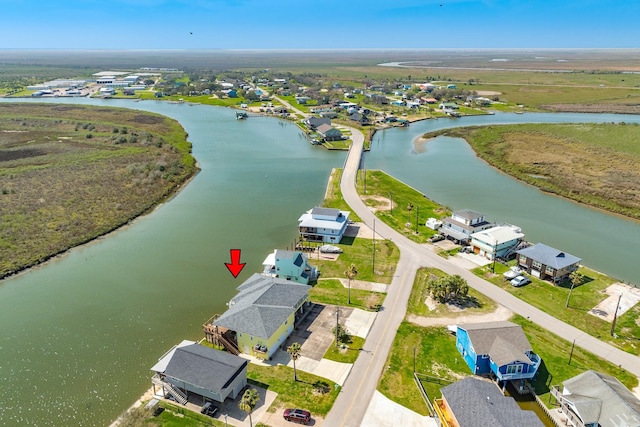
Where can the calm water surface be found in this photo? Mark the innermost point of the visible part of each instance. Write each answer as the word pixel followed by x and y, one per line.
pixel 448 171
pixel 79 334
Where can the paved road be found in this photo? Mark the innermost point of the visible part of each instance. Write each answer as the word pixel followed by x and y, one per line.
pixel 350 407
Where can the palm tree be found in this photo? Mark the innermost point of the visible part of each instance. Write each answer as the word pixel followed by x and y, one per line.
pixel 248 402
pixel 350 273
pixel 294 352
pixel 576 280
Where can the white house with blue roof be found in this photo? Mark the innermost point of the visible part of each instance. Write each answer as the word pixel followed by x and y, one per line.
pixel 547 263
pixel 323 225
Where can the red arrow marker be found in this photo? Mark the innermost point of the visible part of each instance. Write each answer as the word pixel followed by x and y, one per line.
pixel 235 267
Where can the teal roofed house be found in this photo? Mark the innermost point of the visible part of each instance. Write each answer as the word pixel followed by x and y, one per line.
pixel 290 265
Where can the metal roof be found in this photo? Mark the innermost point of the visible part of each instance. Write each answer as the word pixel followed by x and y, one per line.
pixel 475 402
pixel 603 399
pixel 504 342
pixel 549 256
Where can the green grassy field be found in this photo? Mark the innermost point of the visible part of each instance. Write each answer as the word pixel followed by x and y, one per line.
pixel 121 163
pixel 552 299
pixel 409 205
pixel 594 164
pixel 331 291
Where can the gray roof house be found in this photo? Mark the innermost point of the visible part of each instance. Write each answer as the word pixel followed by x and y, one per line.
pixel 329 133
pixel 598 400
pixel 313 122
pixel 261 316
pixel 548 263
pixel 475 402
pixel 192 371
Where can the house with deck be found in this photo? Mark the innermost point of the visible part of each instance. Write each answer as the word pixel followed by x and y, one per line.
pixel 594 399
pixel 329 133
pixel 473 402
pixel 547 263
pixel 323 225
pixel 497 242
pixel 313 122
pixel 462 224
pixel 192 372
pixel 499 350
pixel 260 317
pixel 290 265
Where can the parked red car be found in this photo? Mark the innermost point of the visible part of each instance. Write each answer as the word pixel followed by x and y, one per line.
pixel 297 415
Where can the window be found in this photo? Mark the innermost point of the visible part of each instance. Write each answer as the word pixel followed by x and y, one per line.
pixel 537 265
pixel 514 369
pixel 549 270
pixel 523 259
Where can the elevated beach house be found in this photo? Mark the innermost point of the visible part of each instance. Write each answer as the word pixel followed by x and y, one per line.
pixel 192 372
pixel 290 265
pixel 593 399
pixel 260 317
pixel 547 263
pixel 499 350
pixel 462 224
pixel 499 242
pixel 323 225
pixel 473 402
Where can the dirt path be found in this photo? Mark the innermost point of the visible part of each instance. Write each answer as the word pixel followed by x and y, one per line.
pixel 501 313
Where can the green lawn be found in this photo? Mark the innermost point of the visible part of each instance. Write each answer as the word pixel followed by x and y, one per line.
pixel 331 291
pixel 297 394
pixel 333 197
pixel 348 354
pixel 435 355
pixel 552 299
pixel 476 303
pixel 359 251
pixel 409 205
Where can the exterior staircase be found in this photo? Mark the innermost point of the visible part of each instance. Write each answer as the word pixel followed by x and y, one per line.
pixel 173 391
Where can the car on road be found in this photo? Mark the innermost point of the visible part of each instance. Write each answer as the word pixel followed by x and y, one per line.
pixel 297 415
pixel 520 281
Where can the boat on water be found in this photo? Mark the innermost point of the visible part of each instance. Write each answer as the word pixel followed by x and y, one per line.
pixel 241 115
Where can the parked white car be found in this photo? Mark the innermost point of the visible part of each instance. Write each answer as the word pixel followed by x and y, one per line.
pixel 520 281
pixel 512 273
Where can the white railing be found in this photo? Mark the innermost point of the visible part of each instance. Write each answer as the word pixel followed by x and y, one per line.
pixel 177 394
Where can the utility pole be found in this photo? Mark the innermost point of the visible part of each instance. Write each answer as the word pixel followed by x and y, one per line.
pixel 391 203
pixel 373 263
pixel 571 354
pixel 417 216
pixel 337 324
pixel 495 255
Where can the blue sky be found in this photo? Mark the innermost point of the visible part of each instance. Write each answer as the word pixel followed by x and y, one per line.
pixel 313 24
